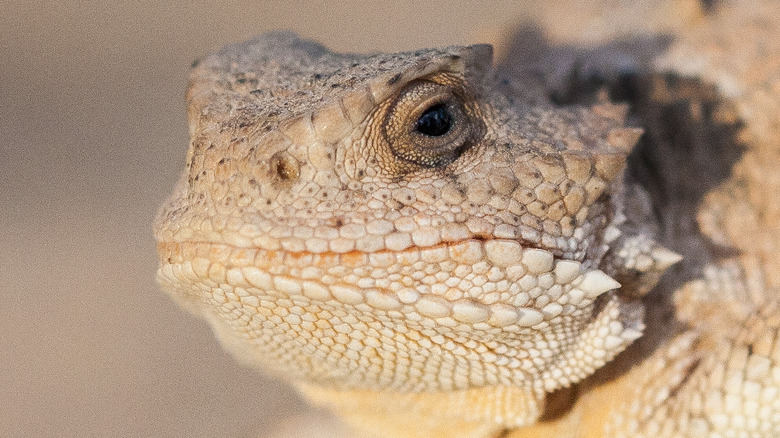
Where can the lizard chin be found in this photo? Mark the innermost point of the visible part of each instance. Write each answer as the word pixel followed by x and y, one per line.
pixel 278 311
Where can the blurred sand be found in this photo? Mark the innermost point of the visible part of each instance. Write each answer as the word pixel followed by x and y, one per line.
pixel 92 137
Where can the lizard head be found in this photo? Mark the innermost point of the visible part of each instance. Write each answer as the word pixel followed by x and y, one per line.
pixel 396 222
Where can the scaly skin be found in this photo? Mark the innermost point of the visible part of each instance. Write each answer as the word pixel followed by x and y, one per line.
pixel 440 285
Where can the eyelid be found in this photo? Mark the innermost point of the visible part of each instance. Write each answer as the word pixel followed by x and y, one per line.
pixel 430 102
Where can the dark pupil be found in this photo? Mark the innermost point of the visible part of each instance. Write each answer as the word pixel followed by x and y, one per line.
pixel 435 121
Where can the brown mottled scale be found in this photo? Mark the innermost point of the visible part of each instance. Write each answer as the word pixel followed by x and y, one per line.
pixel 429 247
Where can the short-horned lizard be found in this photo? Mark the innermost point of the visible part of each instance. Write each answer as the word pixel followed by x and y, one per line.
pixel 432 247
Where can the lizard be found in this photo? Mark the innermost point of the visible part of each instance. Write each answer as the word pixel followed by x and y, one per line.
pixel 429 246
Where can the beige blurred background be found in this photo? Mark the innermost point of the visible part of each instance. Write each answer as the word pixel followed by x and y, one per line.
pixel 92 137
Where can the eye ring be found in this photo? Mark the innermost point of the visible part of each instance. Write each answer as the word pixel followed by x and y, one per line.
pixel 429 124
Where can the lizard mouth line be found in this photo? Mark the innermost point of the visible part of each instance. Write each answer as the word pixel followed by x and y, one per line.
pixel 168 250
pixel 493 283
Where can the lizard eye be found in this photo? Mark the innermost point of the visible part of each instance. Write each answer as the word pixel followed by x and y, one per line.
pixel 429 125
pixel 435 121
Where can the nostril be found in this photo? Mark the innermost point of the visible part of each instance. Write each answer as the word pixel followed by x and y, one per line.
pixel 285 166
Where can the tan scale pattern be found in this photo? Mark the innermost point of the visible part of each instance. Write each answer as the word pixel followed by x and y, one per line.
pixel 721 389
pixel 466 322
pixel 322 248
pixel 295 201
pixel 426 288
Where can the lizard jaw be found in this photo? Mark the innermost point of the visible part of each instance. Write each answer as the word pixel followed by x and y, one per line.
pixel 253 285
